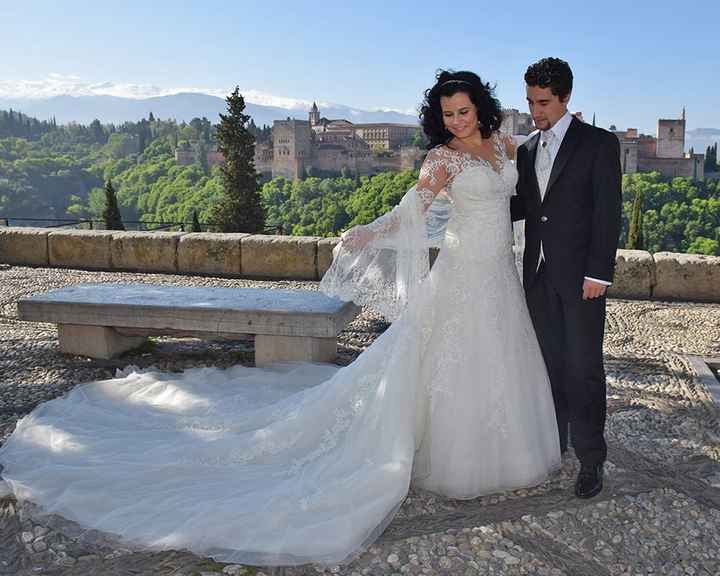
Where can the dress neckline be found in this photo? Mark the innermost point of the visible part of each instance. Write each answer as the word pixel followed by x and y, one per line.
pixel 496 166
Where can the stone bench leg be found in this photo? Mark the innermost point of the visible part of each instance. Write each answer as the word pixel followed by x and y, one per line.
pixel 95 341
pixel 269 349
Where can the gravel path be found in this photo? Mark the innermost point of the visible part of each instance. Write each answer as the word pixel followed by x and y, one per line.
pixel 659 512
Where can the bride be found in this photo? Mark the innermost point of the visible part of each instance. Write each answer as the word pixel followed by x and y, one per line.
pixel 305 462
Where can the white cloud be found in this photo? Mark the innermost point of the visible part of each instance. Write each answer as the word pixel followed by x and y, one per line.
pixel 265 99
pixel 70 85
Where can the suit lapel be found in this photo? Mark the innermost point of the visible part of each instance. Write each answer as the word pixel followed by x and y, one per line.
pixel 531 146
pixel 568 146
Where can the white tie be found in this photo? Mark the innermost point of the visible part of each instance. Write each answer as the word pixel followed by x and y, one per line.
pixel 543 166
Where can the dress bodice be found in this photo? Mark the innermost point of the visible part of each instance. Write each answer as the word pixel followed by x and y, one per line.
pixel 480 193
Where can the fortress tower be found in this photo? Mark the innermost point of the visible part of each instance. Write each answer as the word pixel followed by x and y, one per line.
pixel 671 138
pixel 292 148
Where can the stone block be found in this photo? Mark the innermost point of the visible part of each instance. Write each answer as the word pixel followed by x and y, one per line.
pixel 290 257
pixel 325 254
pixel 692 277
pixel 210 254
pixel 24 246
pixel 634 275
pixel 270 349
pixel 80 249
pixel 95 341
pixel 145 251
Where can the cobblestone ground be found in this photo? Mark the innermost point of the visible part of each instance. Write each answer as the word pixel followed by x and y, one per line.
pixel 659 512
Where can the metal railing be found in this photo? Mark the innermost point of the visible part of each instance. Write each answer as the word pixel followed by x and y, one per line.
pixel 88 224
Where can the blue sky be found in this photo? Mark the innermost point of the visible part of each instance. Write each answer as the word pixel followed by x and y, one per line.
pixel 633 60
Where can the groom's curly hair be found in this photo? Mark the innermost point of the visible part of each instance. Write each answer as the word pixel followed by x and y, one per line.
pixel 449 83
pixel 551 72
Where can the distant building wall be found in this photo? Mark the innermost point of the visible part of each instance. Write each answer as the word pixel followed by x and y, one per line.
pixel 215 158
pixel 192 156
pixel 292 148
pixel 264 158
pixel 629 150
pixel 671 138
pixel 691 167
pixel 334 158
pixel 386 136
pixel 647 147
pixel 411 158
pixel 516 122
pixel 629 156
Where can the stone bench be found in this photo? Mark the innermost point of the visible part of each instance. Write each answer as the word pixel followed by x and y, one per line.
pixel 105 320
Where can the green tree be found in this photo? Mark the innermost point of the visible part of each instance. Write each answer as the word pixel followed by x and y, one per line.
pixel 98 132
pixel 711 159
pixel 111 215
pixel 202 156
pixel 635 239
pixel 677 214
pixel 195 223
pixel 240 208
pixel 378 195
pixel 706 246
pixel 419 140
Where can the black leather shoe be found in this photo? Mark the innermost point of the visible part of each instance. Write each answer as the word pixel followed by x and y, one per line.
pixel 589 482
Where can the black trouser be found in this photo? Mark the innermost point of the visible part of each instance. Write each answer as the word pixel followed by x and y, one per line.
pixel 570 331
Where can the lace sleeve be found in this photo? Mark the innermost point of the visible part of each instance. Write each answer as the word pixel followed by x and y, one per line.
pixel 382 264
pixel 434 177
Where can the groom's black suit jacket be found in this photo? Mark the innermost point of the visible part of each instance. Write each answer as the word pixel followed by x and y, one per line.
pixel 578 221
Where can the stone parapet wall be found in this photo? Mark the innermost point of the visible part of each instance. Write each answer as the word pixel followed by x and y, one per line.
pixel 639 274
pixel 634 275
pixel 694 276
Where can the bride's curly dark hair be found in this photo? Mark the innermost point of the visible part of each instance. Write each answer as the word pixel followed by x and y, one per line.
pixel 449 83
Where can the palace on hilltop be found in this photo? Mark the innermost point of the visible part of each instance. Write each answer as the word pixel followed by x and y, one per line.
pixel 322 146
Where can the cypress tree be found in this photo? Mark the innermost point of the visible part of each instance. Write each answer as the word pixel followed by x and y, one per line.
pixel 711 163
pixel 111 214
pixel 240 208
pixel 195 222
pixel 635 239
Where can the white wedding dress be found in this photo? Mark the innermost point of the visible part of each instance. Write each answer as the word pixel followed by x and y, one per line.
pixel 307 462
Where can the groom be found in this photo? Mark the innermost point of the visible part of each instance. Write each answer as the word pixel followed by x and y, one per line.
pixel 569 194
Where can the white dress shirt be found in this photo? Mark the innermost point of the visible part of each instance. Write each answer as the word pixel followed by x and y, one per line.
pixel 559 129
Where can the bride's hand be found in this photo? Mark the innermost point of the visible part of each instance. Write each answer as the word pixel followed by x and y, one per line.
pixel 357 237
